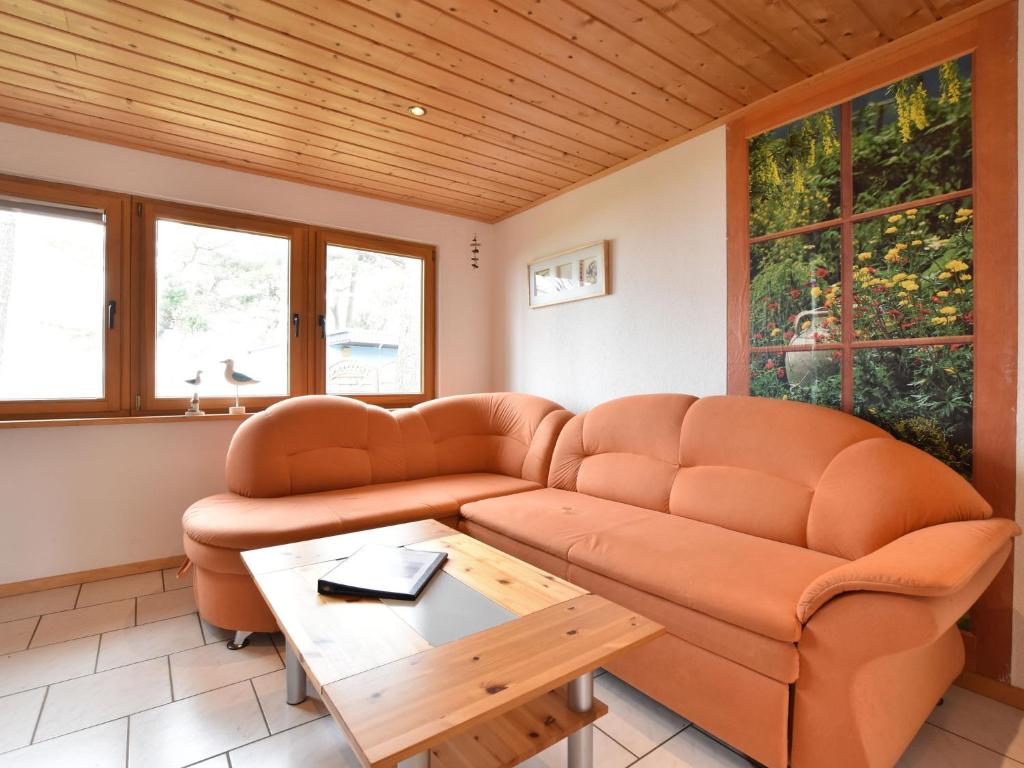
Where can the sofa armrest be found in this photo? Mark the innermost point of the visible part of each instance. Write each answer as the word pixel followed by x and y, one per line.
pixel 929 562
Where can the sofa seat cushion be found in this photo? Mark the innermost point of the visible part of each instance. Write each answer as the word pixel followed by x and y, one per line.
pixel 551 519
pixel 236 522
pixel 751 582
pixel 771 658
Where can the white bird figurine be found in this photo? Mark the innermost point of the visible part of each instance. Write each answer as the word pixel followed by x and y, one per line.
pixel 236 378
pixel 197 380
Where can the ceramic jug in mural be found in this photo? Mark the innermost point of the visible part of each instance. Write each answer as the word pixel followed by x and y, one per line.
pixel 806 368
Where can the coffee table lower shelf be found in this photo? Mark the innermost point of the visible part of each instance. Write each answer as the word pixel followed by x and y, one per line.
pixel 515 736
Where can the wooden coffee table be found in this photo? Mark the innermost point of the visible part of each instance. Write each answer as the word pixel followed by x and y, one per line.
pixel 491 665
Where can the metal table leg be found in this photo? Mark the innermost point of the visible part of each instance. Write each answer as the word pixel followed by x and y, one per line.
pixel 295 675
pixel 422 760
pixel 581 743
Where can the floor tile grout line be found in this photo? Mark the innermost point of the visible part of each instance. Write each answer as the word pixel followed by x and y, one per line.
pixel 39 620
pixel 39 717
pixel 170 676
pixel 139 712
pixel 157 706
pixel 266 723
pixel 971 741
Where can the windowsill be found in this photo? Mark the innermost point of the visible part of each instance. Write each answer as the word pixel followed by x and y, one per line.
pixel 103 421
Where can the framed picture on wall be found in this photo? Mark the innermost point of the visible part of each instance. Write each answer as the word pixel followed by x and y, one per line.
pixel 578 273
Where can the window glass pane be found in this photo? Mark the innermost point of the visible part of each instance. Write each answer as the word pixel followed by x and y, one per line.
pixel 912 139
pixel 923 395
pixel 52 305
pixel 794 174
pixel 795 290
pixel 374 323
pixel 220 294
pixel 913 273
pixel 806 376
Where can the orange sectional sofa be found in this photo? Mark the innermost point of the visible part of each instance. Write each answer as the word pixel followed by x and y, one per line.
pixel 319 465
pixel 810 568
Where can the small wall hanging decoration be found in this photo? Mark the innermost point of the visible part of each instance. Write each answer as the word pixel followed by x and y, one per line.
pixel 474 248
pixel 578 273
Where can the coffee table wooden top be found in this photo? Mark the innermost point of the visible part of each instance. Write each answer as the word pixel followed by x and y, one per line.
pixel 485 700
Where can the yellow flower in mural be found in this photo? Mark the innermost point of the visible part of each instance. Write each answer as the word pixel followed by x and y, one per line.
pixel 950 370
pixel 864 256
pixel 948 311
pixel 965 212
pixel 965 278
pixel 958 291
pixel 806 324
pixel 909 285
pixel 938 321
pixel 815 291
pixel 899 276
pixel 955 265
pixel 895 217
pixel 911 212
pixel 942 294
pixel 776 331
pixel 890 230
pixel 944 275
pixel 917 242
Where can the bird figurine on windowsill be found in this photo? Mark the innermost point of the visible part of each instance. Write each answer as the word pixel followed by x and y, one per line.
pixel 193 405
pixel 237 379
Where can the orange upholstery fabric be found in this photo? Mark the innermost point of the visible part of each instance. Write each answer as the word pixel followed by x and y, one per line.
pixel 776 659
pixel 878 490
pixel 233 521
pixel 787 548
pixel 930 562
pixel 872 666
pixel 749 582
pixel 315 466
pixel 322 443
pixel 551 519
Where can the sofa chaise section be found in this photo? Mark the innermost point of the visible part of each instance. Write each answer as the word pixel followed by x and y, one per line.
pixel 316 466
pixel 810 569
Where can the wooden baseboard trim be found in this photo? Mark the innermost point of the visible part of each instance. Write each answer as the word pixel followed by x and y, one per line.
pixel 96 574
pixel 993 689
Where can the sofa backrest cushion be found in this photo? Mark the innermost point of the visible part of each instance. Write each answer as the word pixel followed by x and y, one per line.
pixel 321 443
pixel 624 450
pixel 790 472
pixel 491 432
pixel 314 443
pixel 878 490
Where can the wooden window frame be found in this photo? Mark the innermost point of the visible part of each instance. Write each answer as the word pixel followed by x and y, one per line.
pixel 991 39
pixel 147 212
pixel 427 254
pixel 116 380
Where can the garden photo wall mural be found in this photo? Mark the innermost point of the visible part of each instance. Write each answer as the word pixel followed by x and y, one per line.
pixel 861 254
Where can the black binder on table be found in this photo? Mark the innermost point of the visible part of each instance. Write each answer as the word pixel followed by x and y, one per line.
pixel 383 572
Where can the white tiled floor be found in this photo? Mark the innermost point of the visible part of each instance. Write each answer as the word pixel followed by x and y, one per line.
pixel 123 674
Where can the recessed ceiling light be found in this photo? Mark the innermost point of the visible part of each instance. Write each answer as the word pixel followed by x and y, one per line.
pixel 417 111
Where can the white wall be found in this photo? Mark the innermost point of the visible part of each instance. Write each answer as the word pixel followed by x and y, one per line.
pixel 663 328
pixel 106 495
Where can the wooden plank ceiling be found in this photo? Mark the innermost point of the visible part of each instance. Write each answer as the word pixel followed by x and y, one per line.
pixel 523 97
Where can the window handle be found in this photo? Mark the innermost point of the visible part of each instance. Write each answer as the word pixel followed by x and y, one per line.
pixel 322 322
pixel 111 313
pixel 296 321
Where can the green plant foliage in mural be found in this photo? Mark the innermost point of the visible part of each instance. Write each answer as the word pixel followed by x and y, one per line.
pixel 794 174
pixel 805 376
pixel 912 139
pixel 923 395
pixel 913 273
pixel 795 289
